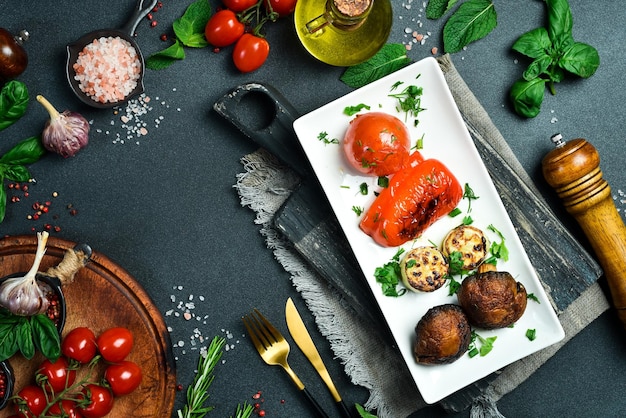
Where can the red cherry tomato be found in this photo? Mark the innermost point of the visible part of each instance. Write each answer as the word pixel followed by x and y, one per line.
pixel 250 52
pixel 123 377
pixel 115 344
pixel 223 28
pixel 64 408
pixel 31 401
pixel 377 143
pixel 239 5
pixel 56 376
pixel 415 198
pixel 100 401
pixel 282 7
pixel 80 345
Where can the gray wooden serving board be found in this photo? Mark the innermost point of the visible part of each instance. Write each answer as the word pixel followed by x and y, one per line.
pixel 308 222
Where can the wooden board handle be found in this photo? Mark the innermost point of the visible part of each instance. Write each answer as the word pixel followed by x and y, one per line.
pixel 573 170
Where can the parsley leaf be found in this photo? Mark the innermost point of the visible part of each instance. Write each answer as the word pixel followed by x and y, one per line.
pixel 468 194
pixel 389 276
pixel 485 346
pixel 353 110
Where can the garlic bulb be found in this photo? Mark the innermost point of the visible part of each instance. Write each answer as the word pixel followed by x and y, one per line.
pixel 22 295
pixel 65 133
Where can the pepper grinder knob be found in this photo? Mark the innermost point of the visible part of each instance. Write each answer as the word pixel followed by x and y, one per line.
pixel 572 168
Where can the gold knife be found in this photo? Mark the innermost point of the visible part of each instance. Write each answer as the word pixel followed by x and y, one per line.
pixel 301 336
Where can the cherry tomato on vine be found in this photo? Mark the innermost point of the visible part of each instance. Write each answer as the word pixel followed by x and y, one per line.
pixel 123 377
pixel 31 402
pixel 80 345
pixel 64 408
pixel 115 344
pixel 100 401
pixel 282 7
pixel 250 52
pixel 56 376
pixel 223 28
pixel 239 5
pixel 377 143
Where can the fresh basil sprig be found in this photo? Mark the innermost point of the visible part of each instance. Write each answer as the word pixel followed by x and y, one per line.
pixel 188 31
pixel 13 103
pixel 555 54
pixel 12 165
pixel 471 21
pixel 27 334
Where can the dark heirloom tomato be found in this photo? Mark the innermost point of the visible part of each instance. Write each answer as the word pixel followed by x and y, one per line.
pixel 377 143
pixel 416 197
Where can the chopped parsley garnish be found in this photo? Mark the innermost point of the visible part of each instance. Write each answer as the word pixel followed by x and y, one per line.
pixel 486 345
pixel 531 334
pixel 467 220
pixel 532 297
pixel 383 182
pixel 358 210
pixel 323 136
pixel 498 249
pixel 409 101
pixel 363 188
pixel 389 276
pixel 454 212
pixel 468 194
pixel 353 110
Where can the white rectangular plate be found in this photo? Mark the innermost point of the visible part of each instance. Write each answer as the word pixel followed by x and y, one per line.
pixel 445 138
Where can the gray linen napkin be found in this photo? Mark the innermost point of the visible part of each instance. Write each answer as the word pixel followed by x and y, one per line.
pixel 368 360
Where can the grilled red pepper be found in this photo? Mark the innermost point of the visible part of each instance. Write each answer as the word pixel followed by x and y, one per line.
pixel 416 197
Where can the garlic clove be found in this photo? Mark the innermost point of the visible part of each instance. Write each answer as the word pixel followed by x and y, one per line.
pixel 22 295
pixel 64 133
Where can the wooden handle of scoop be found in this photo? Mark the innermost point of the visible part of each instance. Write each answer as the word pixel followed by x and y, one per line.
pixel 573 170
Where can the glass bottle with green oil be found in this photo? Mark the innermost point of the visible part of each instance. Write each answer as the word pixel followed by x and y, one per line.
pixel 343 32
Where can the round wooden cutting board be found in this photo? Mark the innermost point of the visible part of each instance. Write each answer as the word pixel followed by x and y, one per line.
pixel 103 295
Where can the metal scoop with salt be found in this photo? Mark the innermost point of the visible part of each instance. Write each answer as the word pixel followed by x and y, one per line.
pixel 93 77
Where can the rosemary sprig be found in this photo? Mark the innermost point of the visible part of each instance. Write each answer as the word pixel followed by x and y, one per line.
pixel 198 392
pixel 244 411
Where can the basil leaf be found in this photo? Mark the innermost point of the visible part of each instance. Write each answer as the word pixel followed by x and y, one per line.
pixel 192 23
pixel 437 8
pixel 46 337
pixel 537 67
pixel 527 96
pixel 8 339
pixel 27 151
pixel 390 58
pixel 163 59
pixel 534 44
pixel 472 21
pixel 15 172
pixel 580 59
pixel 560 22
pixel 25 339
pixel 13 103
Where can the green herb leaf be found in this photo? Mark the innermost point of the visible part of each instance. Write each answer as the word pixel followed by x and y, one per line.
pixel 472 21
pixel 437 8
pixel 353 110
pixel 455 212
pixel 390 58
pixel 389 276
pixel 560 23
pixel 13 103
pixel 531 296
pixel 45 336
pixel 468 193
pixel 190 25
pixel 527 96
pixel 533 44
pixel 3 199
pixel 580 59
pixel 486 345
pixel 531 334
pixel 163 59
pixel 323 136
pixel 362 412
pixel 8 337
pixel 27 151
pixel 15 172
pixel 25 339
pixel 410 101
pixel 537 67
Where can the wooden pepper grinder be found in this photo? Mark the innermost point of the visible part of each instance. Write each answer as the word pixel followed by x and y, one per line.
pixel 573 170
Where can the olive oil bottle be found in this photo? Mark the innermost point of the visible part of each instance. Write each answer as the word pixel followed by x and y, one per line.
pixel 343 32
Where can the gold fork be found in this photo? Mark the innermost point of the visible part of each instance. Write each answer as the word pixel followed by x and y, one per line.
pixel 274 349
